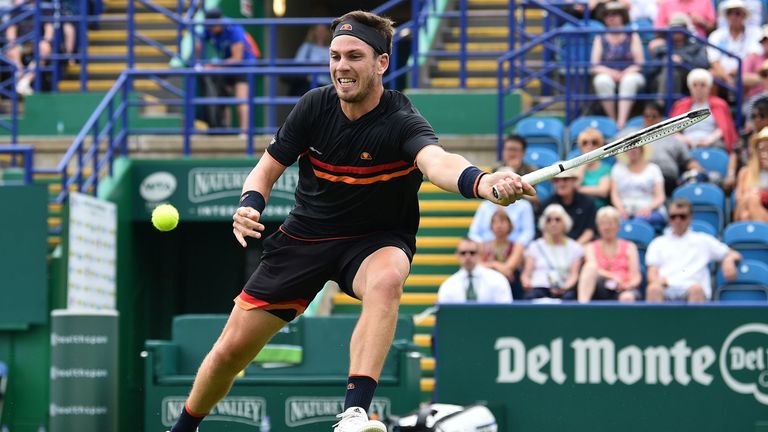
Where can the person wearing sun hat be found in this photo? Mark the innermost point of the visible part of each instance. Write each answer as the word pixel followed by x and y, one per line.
pixel 736 38
pixel 617 60
pixel 684 52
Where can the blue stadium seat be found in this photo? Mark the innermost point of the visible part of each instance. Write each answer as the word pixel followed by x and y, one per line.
pixel 639 232
pixel 703 227
pixel 542 132
pixel 540 157
pixel 604 124
pixel 712 159
pixel 544 190
pixel 751 282
pixel 635 122
pixel 749 238
pixel 575 48
pixel 708 202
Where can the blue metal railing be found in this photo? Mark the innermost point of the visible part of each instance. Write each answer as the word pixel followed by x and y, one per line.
pixel 575 73
pixel 27 153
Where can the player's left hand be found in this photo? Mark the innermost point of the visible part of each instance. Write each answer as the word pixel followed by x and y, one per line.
pixel 510 186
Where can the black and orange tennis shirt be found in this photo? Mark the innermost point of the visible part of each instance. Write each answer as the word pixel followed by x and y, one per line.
pixel 355 177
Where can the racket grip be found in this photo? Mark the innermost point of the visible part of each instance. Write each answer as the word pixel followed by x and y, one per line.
pixel 541 175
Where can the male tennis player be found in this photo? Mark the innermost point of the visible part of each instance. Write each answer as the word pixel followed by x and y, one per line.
pixel 362 151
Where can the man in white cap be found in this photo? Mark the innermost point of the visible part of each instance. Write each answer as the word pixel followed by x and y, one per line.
pixel 737 38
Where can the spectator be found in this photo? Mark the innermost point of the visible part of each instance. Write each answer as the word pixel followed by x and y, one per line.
pixel 473 283
pixel 501 254
pixel 616 59
pixel 717 130
pixel 520 214
pixel 594 178
pixel 638 189
pixel 553 260
pixel 702 13
pixel 313 51
pixel 612 265
pixel 70 11
pixel 736 38
pixel 579 207
pixel 752 186
pixel 754 17
pixel 739 157
pixel 754 65
pixel 678 260
pixel 669 153
pixel 235 48
pixel 685 54
pixel 512 154
pixel 22 54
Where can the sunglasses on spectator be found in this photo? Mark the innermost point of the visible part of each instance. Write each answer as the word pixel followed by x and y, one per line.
pixel 467 252
pixel 553 219
pixel 737 12
pixel 681 216
pixel 593 142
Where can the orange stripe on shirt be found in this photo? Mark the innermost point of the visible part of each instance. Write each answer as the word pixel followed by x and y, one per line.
pixel 367 180
pixel 357 170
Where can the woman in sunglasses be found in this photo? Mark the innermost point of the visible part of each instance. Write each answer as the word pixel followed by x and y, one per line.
pixel 552 261
pixel 594 178
pixel 752 186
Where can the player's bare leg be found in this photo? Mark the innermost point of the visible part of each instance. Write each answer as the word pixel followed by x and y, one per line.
pixel 244 335
pixel 379 283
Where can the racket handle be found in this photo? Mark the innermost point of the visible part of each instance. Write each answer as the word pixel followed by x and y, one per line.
pixel 535 177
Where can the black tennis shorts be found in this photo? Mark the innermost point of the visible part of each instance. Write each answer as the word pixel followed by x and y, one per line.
pixel 293 270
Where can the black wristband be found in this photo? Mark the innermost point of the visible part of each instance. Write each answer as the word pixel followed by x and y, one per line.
pixel 469 180
pixel 253 199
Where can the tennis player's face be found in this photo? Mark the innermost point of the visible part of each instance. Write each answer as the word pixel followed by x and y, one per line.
pixel 355 68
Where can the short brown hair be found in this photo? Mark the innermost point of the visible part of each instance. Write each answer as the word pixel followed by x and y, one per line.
pixel 682 203
pixel 383 25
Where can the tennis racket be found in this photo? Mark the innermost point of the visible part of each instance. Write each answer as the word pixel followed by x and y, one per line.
pixel 636 139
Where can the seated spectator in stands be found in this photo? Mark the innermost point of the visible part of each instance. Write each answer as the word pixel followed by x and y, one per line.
pixel 669 153
pixel 512 154
pixel 717 130
pixel 638 189
pixel 23 54
pixel 473 282
pixel 69 9
pixel 685 55
pixel 616 60
pixel 701 13
pixel 678 261
pixel 739 157
pixel 752 67
pixel 754 17
pixel 520 214
pixel 596 7
pixel 736 38
pixel 501 254
pixel 235 47
pixel 752 186
pixel 552 261
pixel 594 178
pixel 579 207
pixel 612 265
pixel 313 51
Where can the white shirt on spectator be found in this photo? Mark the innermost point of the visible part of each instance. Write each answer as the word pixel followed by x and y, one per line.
pixel 552 261
pixel 520 213
pixel 643 9
pixel 747 43
pixel 636 189
pixel 490 287
pixel 683 260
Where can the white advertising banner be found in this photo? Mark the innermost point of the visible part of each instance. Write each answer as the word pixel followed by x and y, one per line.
pixel 91 283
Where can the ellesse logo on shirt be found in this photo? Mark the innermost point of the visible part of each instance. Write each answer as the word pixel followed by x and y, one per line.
pixel 366 156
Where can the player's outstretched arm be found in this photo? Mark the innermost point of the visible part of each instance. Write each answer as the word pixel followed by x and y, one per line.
pixel 453 173
pixel 256 190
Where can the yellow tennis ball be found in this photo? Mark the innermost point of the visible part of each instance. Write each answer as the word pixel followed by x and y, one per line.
pixel 165 217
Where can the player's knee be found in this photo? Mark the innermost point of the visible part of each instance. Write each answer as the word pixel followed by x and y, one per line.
pixel 389 284
pixel 226 356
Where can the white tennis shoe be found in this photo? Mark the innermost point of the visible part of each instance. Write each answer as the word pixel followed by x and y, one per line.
pixel 355 419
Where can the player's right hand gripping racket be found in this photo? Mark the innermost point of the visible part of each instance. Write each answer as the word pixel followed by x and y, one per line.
pixel 636 139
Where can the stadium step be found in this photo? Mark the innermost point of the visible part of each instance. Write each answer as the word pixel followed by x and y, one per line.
pixel 448 207
pixel 113 68
pixel 167 35
pixel 105 85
